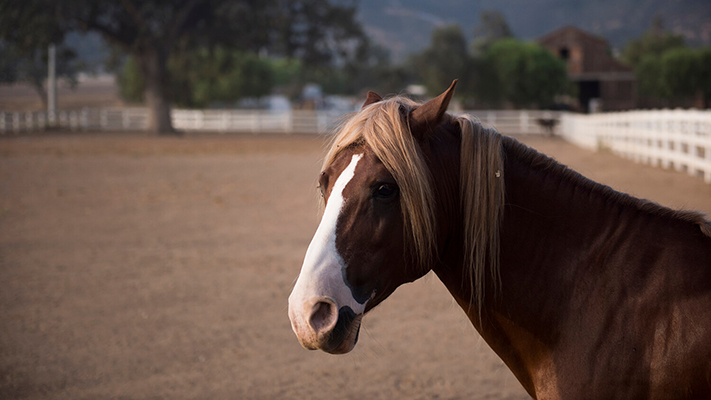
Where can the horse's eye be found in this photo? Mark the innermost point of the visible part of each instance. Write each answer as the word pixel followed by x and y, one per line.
pixel 385 191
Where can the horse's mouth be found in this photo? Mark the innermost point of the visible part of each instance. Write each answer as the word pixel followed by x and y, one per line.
pixel 344 336
pixel 326 329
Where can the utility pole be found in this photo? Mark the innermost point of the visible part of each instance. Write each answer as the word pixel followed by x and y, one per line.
pixel 52 86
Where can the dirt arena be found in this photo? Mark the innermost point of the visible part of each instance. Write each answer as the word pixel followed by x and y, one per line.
pixel 147 268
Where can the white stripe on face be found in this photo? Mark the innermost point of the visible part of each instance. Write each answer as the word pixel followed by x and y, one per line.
pixel 323 269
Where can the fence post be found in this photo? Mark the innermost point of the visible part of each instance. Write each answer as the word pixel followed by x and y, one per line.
pixel 103 119
pixel 62 119
pixel 198 119
pixel 84 118
pixel 16 121
pixel 225 121
pixel 126 122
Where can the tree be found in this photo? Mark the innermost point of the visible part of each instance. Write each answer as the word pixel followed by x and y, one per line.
pixel 26 31
pixel 151 30
pixel 492 27
pixel 371 68
pixel 685 72
pixel 654 41
pixel 444 60
pixel 207 76
pixel 29 65
pixel 527 74
pixel 649 76
pixel 130 81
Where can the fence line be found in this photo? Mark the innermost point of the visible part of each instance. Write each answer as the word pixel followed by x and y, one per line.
pixel 678 139
pixel 243 121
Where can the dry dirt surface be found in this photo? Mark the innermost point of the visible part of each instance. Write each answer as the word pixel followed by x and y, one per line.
pixel 136 267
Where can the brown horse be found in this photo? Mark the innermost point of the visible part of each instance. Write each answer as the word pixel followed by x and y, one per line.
pixel 584 292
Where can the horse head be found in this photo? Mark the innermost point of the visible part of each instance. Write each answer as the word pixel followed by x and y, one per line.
pixel 377 229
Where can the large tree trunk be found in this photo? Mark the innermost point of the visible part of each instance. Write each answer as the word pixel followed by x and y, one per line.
pixel 153 62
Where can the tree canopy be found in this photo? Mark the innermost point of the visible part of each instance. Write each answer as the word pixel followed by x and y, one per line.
pixel 445 59
pixel 315 31
pixel 667 69
pixel 492 27
pixel 24 47
pixel 524 74
pixel 528 74
pixel 654 42
pixel 29 65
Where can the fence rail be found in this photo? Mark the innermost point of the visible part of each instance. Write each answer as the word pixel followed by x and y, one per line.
pixel 244 121
pixel 678 139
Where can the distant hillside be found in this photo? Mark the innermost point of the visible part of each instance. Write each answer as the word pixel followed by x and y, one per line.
pixel 405 26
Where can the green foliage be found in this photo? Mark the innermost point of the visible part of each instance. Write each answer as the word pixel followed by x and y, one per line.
pixel 685 72
pixel 204 77
pixel 286 70
pixel 29 65
pixel 526 73
pixel 130 82
pixel 667 69
pixel 371 68
pixel 316 31
pixel 219 75
pixel 444 60
pixel 649 76
pixel 501 69
pixel 655 41
pixel 492 28
pixel 681 71
pixel 26 31
pixel 650 44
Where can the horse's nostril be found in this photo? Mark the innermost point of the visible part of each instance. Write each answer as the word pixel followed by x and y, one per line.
pixel 323 316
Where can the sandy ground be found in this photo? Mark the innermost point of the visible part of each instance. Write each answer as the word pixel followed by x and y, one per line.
pixel 141 267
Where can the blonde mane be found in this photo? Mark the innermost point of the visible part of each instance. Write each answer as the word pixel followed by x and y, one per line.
pixel 383 127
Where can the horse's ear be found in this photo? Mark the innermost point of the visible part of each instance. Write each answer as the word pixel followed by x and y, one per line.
pixel 426 117
pixel 372 98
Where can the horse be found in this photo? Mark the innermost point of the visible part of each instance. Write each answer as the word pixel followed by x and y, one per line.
pixel 583 292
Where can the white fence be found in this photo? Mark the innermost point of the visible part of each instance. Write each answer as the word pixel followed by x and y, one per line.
pixel 677 139
pixel 255 121
pixel 122 119
pixel 515 122
pixel 245 121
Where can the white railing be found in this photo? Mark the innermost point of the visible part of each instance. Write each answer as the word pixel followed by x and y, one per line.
pixel 123 119
pixel 114 119
pixel 255 121
pixel 515 122
pixel 677 139
pixel 247 121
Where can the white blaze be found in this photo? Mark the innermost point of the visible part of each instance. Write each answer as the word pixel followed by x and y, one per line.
pixel 322 272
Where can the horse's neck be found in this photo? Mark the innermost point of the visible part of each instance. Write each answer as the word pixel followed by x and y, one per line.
pixel 551 214
pixel 576 259
pixel 551 218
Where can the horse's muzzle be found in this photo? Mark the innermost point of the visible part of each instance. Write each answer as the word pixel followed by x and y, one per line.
pixel 320 324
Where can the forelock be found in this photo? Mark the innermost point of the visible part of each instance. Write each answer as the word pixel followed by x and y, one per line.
pixel 383 127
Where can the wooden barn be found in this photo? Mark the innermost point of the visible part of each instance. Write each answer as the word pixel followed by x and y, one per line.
pixel 603 83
